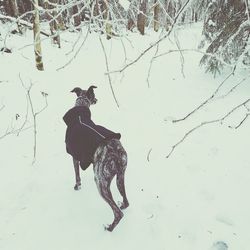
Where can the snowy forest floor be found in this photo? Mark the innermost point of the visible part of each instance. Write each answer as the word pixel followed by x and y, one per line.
pixel 197 199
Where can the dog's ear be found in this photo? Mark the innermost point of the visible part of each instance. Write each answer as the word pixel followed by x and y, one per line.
pixel 77 90
pixel 90 91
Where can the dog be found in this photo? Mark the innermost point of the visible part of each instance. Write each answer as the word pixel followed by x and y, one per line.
pixel 109 160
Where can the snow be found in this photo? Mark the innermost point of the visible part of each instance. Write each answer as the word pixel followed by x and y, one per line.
pixel 125 4
pixel 196 199
pixel 211 23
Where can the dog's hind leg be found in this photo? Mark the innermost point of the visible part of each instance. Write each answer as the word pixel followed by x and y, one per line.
pixel 104 189
pixel 121 187
pixel 77 175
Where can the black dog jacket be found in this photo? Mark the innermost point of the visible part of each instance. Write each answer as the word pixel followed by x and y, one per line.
pixel 83 136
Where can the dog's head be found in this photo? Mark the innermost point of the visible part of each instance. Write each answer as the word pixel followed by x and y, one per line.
pixel 85 97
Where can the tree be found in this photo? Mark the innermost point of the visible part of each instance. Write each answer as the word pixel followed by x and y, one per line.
pixel 10 7
pixel 107 19
pixel 37 39
pixel 141 18
pixel 156 15
pixel 131 16
pixel 52 14
pixel 76 15
pixel 226 30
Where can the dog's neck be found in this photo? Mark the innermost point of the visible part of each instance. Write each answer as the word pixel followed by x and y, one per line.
pixel 82 101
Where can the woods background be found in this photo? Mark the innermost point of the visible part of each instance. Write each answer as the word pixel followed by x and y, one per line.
pixel 226 25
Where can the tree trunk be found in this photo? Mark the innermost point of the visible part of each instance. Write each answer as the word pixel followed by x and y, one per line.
pixel 171 9
pixel 77 16
pixel 96 8
pixel 7 8
pixel 194 16
pixel 107 19
pixel 21 8
pixel 156 16
pixel 141 18
pixel 37 39
pixel 13 5
pixel 131 17
pixel 12 8
pixel 60 20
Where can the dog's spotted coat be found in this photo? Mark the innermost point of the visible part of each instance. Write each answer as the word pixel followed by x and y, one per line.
pixel 110 160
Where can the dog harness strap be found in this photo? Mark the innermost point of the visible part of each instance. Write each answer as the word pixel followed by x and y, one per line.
pixel 90 128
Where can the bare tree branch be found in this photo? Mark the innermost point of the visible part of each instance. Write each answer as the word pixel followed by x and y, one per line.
pixel 2 107
pixel 198 51
pixel 34 114
pixel 206 101
pixel 26 116
pixel 244 119
pixel 151 65
pixel 221 120
pixel 234 87
pixel 148 156
pixel 107 67
pixel 77 52
pixel 181 54
pixel 11 129
pixel 155 43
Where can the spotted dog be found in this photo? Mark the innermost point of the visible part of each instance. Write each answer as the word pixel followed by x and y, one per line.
pixel 109 160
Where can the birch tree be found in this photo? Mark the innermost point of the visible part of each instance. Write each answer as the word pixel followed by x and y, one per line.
pixel 37 39
pixel 107 18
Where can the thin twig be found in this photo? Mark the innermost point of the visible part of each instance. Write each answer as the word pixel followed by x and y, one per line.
pixel 75 43
pixel 151 65
pixel 244 119
pixel 26 117
pixel 177 42
pixel 150 217
pixel 77 52
pixel 148 156
pixel 206 101
pixel 233 88
pixel 34 114
pixel 107 67
pixel 197 51
pixel 3 106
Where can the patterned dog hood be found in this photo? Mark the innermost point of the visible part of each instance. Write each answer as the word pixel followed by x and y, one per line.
pixel 83 136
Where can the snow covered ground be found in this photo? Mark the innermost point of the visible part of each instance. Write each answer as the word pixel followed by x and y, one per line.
pixel 197 199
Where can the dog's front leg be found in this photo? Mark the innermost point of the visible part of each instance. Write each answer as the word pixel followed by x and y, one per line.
pixel 77 174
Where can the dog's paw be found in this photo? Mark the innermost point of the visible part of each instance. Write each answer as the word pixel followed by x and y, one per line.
pixel 123 205
pixel 77 187
pixel 108 228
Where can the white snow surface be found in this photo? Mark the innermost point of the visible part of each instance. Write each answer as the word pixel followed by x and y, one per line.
pixel 125 4
pixel 197 199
